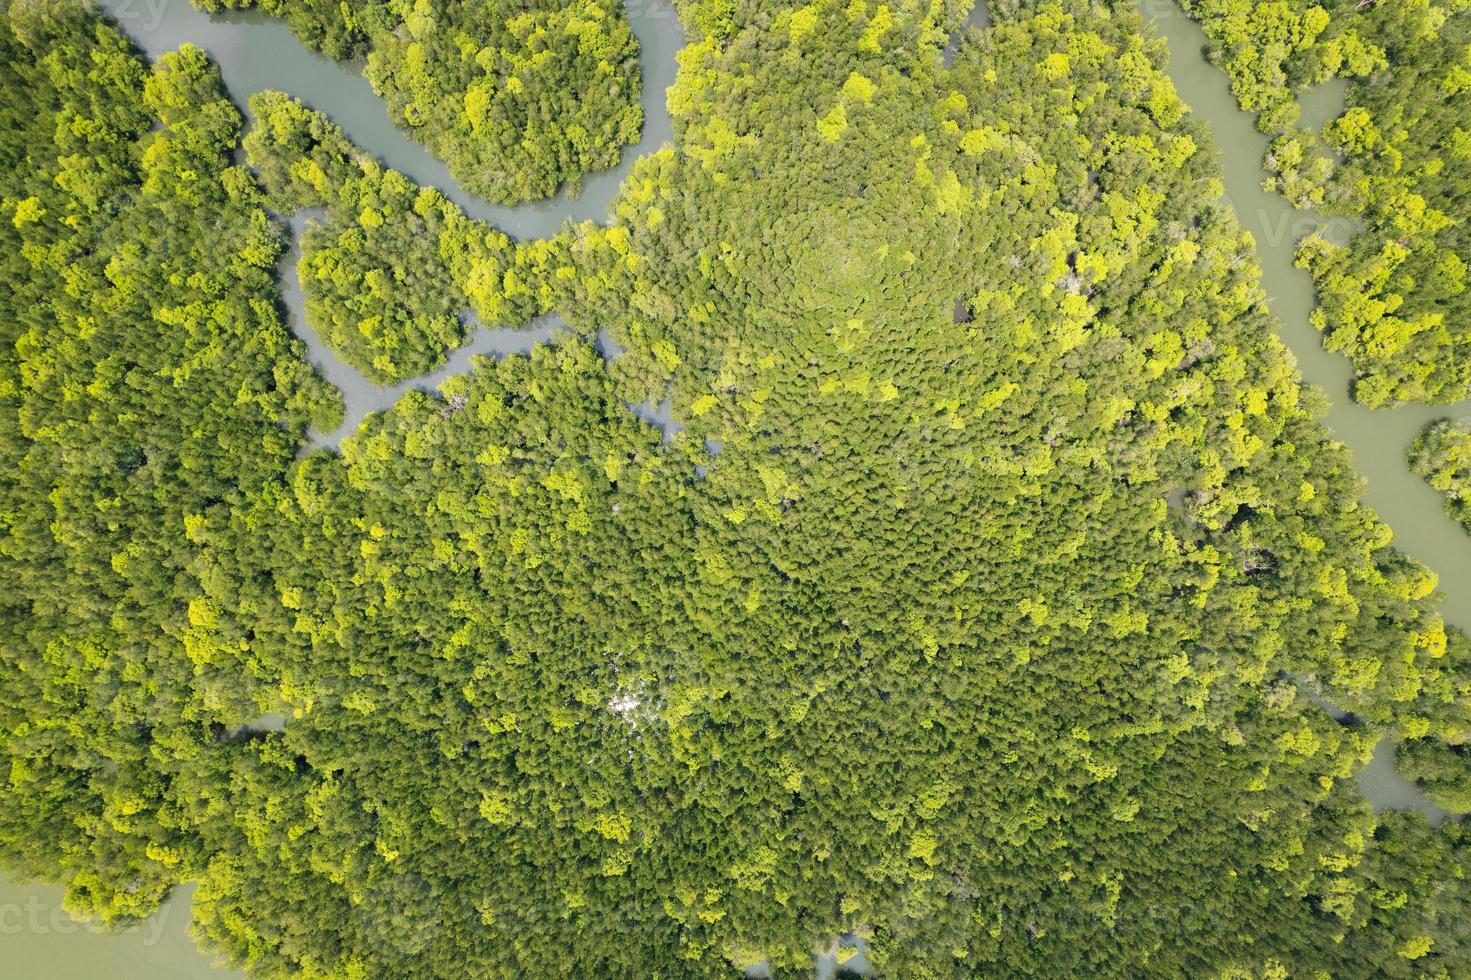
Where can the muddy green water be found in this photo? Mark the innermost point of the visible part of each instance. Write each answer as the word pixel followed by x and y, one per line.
pixel 1378 438
pixel 38 939
pixel 256 53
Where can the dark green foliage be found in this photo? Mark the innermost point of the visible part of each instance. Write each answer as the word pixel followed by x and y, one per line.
pixel 979 640
pixel 517 97
pixel 1395 299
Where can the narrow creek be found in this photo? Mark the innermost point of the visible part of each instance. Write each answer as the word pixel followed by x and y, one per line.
pixel 362 397
pixel 255 53
pixel 1377 438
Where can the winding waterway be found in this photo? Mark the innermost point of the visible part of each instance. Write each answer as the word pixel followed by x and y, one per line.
pixel 257 53
pixel 1378 438
pixel 359 395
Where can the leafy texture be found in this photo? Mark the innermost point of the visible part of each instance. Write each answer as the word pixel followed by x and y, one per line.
pixel 517 98
pixel 1442 455
pixel 393 267
pixel 149 391
pixel 1395 299
pixel 980 634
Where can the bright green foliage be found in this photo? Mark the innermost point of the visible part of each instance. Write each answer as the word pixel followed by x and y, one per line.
pixel 1442 455
pixel 1395 299
pixel 148 390
pixel 517 98
pixel 1272 49
pixel 980 639
pixel 1299 171
pixel 390 270
pixel 1436 757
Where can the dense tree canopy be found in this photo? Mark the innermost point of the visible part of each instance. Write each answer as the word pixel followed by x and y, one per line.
pixel 1396 298
pixel 516 96
pixel 1442 455
pixel 393 267
pixel 149 391
pixel 974 611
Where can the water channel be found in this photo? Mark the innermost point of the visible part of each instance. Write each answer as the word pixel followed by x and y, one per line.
pixel 1378 438
pixel 256 53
